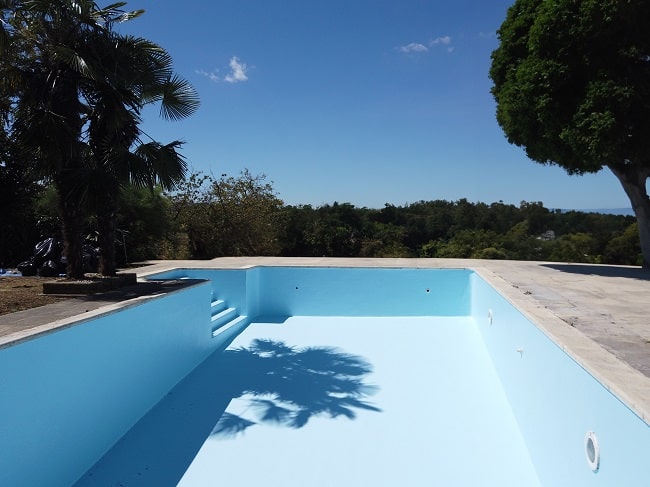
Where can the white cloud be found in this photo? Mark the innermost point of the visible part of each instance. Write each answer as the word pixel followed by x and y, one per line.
pixel 445 40
pixel 416 47
pixel 413 47
pixel 237 73
pixel 212 76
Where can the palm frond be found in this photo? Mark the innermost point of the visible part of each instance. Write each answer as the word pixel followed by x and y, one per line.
pixel 160 164
pixel 72 59
pixel 179 99
pixel 126 16
pixel 38 5
pixel 114 6
pixel 142 64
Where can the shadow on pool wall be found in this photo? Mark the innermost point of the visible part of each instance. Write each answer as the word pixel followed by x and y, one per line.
pixel 557 402
pixel 284 385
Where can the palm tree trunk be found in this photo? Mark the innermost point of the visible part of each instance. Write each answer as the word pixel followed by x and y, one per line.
pixel 71 219
pixel 633 180
pixel 106 226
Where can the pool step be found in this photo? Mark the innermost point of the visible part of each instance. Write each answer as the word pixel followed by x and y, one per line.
pixel 217 306
pixel 238 321
pixel 224 318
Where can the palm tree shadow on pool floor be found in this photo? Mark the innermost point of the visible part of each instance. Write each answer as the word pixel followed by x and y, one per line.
pixel 284 385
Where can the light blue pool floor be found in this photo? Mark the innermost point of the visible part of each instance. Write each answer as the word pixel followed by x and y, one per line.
pixel 398 401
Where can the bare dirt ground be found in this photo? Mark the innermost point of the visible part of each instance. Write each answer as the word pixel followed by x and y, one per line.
pixel 19 293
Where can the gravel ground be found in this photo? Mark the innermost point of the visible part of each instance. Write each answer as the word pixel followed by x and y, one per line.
pixel 19 293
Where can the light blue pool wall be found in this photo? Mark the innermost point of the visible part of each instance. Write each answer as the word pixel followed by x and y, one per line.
pixel 280 292
pixel 232 285
pixel 556 402
pixel 68 396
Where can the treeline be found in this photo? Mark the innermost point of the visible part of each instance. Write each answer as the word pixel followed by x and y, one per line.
pixel 210 217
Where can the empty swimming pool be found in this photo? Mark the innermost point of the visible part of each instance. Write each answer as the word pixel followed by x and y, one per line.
pixel 334 376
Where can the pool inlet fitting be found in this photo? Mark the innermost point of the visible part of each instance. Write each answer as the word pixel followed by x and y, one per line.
pixel 592 450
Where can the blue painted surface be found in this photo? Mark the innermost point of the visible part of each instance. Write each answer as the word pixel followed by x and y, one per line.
pixel 67 397
pixel 228 284
pixel 280 292
pixel 364 292
pixel 455 404
pixel 324 401
pixel 556 402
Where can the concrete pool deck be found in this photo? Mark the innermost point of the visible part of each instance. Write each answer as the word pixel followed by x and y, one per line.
pixel 598 314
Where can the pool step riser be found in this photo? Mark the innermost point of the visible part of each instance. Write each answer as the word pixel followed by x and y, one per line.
pixel 238 321
pixel 224 318
pixel 217 306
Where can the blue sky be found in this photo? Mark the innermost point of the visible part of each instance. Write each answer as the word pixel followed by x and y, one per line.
pixel 360 101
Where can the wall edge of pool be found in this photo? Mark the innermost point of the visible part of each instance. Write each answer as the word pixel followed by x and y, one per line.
pixel 557 401
pixel 601 364
pixel 72 375
pixel 608 369
pixel 596 360
pixel 591 358
pixel 38 331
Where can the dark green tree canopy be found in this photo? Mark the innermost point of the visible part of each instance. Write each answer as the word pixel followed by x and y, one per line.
pixel 72 92
pixel 572 82
pixel 572 86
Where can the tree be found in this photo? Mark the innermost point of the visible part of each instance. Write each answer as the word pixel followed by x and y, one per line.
pixel 18 219
pixel 134 73
pixel 624 248
pixel 144 226
pixel 336 231
pixel 43 80
pixel 571 86
pixel 78 89
pixel 575 247
pixel 228 216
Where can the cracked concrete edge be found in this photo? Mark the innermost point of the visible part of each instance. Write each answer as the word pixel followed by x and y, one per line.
pixel 629 385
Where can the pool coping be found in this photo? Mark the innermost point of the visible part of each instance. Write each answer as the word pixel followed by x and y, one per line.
pixel 32 323
pixel 631 386
pixel 591 312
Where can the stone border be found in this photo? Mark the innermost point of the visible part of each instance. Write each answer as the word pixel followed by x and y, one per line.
pixel 90 285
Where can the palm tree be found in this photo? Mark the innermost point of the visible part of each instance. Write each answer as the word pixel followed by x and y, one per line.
pixel 149 165
pixel 136 73
pixel 79 90
pixel 47 115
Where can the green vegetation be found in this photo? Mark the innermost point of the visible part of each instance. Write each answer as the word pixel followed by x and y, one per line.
pixel 570 81
pixel 209 217
pixel 71 94
pixel 571 86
